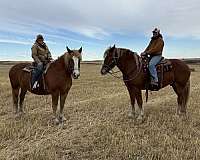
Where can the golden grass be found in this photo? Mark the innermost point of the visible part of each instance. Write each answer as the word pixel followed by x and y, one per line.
pixel 97 125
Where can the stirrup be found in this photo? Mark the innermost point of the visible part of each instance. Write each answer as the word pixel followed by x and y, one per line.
pixel 154 83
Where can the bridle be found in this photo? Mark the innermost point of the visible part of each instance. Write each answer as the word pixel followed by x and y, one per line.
pixel 115 60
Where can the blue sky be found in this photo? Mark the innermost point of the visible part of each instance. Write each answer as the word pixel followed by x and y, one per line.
pixel 96 25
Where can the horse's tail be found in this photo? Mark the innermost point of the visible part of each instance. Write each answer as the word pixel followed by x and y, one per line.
pixel 147 94
pixel 11 80
pixel 147 90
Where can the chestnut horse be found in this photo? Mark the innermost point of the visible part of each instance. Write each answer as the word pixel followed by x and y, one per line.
pixel 129 63
pixel 58 81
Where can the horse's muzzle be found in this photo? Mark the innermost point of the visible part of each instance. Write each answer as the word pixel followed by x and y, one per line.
pixel 75 75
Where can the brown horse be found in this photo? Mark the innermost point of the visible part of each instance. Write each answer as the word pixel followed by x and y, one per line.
pixel 58 81
pixel 129 63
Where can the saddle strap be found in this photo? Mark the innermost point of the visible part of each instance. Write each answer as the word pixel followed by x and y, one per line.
pixel 161 75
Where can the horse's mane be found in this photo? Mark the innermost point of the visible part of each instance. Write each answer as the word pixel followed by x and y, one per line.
pixel 60 57
pixel 128 52
pixel 121 52
pixel 61 60
pixel 125 51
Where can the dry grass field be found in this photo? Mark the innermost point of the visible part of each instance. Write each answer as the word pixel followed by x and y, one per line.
pixel 97 125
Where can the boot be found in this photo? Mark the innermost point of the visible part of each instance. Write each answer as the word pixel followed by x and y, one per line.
pixel 154 85
pixel 35 85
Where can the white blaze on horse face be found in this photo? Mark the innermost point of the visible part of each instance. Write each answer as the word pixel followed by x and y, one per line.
pixel 76 69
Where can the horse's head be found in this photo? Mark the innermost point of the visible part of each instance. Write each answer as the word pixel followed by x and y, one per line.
pixel 110 60
pixel 73 60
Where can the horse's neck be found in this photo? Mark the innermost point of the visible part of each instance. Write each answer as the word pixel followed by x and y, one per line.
pixel 60 64
pixel 127 64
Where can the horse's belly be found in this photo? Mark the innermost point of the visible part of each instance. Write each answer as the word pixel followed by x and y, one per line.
pixel 168 78
pixel 39 92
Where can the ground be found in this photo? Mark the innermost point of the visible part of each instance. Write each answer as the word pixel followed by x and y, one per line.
pixel 98 126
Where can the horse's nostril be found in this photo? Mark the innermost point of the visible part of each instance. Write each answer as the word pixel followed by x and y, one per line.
pixel 75 75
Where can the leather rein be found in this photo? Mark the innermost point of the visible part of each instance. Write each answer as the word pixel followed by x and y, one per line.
pixel 115 61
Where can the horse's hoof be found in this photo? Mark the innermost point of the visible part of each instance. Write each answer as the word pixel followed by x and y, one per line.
pixel 178 113
pixel 183 116
pixel 56 121
pixel 140 119
pixel 131 115
pixel 21 112
pixel 19 115
pixel 62 119
pixel 15 113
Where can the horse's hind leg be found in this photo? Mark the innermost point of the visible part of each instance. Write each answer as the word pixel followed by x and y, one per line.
pixel 15 94
pixel 175 87
pixel 22 96
pixel 185 97
pixel 183 94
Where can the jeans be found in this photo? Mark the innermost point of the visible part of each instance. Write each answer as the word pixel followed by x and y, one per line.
pixel 37 72
pixel 152 66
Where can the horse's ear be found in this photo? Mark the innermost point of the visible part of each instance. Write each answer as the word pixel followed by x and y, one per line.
pixel 112 48
pixel 80 50
pixel 69 50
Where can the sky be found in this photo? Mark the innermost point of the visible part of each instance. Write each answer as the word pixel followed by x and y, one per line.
pixel 97 24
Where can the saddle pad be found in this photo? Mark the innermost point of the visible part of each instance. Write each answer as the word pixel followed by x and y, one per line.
pixel 165 61
pixel 30 68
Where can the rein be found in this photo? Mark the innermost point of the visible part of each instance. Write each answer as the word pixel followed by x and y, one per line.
pixel 112 73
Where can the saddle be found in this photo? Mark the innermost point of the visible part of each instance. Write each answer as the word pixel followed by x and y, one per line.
pixel 41 87
pixel 162 67
pixel 29 68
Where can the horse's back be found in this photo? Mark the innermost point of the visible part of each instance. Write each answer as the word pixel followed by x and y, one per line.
pixel 17 69
pixel 19 66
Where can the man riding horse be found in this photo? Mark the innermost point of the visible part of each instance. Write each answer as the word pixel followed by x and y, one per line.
pixel 41 56
pixel 154 50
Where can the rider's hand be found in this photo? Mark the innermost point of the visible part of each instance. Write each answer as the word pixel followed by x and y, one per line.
pixel 143 54
pixel 51 60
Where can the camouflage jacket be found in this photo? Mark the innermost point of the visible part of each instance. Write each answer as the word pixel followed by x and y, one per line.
pixel 40 53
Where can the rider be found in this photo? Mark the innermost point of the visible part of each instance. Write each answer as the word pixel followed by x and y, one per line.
pixel 154 49
pixel 41 56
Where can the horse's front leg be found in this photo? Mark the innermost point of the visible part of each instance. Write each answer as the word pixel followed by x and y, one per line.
pixel 54 105
pixel 140 102
pixel 131 113
pixel 63 97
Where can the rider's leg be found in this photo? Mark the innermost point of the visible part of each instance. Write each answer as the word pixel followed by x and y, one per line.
pixel 152 67
pixel 37 73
